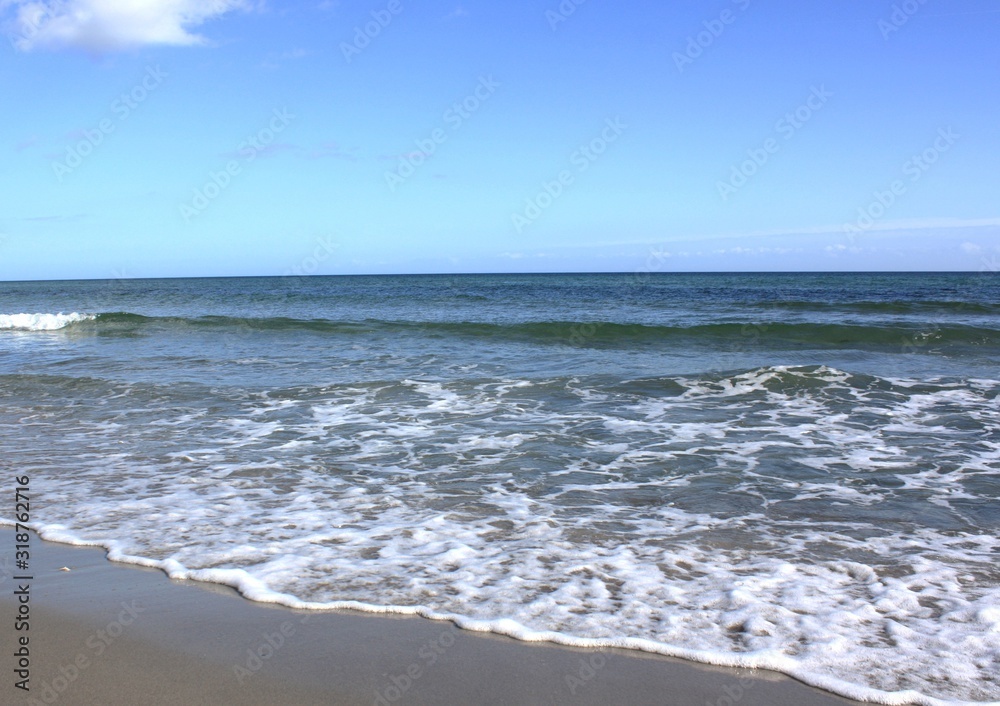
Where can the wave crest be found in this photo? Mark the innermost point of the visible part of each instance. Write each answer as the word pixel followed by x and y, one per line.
pixel 41 322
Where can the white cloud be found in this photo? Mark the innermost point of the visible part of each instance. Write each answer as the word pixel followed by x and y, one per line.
pixel 887 225
pixel 109 25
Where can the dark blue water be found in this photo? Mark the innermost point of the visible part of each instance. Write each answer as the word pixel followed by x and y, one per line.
pixel 537 324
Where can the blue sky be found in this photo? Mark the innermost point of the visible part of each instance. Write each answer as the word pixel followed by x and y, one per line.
pixel 184 138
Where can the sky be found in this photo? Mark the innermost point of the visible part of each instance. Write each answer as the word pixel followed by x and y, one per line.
pixel 178 138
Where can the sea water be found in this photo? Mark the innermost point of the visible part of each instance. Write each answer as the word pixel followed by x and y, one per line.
pixel 798 472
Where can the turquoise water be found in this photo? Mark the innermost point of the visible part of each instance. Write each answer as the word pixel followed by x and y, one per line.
pixel 791 471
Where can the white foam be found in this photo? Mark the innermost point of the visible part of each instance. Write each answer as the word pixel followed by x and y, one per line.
pixel 40 322
pixel 744 610
pixel 658 524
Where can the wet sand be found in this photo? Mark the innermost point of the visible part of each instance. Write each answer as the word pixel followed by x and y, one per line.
pixel 109 634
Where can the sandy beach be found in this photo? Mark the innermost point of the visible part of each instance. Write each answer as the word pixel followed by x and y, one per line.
pixel 105 633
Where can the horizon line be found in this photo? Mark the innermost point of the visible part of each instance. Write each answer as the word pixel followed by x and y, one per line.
pixel 513 274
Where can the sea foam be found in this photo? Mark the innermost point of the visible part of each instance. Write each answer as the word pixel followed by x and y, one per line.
pixel 41 322
pixel 762 519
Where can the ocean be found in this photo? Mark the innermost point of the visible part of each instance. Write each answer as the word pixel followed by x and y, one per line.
pixel 798 472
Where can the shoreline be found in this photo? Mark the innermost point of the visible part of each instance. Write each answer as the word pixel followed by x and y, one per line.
pixel 111 633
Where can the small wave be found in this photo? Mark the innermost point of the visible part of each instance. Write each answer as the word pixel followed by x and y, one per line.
pixel 41 322
pixel 599 334
pixel 925 306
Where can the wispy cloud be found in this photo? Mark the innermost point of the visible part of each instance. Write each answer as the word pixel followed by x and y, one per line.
pixel 26 143
pixel 459 11
pixel 275 59
pixel 923 223
pixel 269 150
pixel 521 256
pixel 901 224
pixel 101 26
pixel 332 150
pixel 325 150
pixel 404 155
pixel 900 227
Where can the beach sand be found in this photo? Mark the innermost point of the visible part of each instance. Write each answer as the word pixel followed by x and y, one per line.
pixel 105 633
